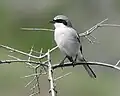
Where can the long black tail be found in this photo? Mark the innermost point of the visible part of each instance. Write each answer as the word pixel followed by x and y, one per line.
pixel 90 71
pixel 86 66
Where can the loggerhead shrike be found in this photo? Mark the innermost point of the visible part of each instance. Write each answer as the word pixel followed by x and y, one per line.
pixel 68 41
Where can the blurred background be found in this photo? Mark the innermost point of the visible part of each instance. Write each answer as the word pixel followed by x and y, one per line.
pixel 15 14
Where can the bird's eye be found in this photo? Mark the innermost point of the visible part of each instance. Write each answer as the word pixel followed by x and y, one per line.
pixel 61 21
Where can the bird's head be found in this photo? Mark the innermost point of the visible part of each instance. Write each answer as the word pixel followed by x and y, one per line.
pixel 61 21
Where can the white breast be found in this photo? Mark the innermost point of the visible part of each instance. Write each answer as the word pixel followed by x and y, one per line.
pixel 66 39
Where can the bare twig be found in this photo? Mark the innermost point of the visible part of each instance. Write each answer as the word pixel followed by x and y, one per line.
pixel 18 51
pixel 50 75
pixel 117 63
pixel 22 61
pixel 14 57
pixel 68 64
pixel 30 53
pixel 34 94
pixel 37 29
pixel 93 37
pixel 33 88
pixel 30 82
pixel 92 42
pixel 89 31
pixel 109 25
pixel 31 75
pixel 30 65
pixel 27 54
pixel 37 80
pixel 60 77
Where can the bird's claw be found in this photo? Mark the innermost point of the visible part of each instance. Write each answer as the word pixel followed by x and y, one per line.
pixel 61 64
pixel 73 63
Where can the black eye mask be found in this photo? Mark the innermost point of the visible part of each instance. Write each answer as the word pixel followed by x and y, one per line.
pixel 60 21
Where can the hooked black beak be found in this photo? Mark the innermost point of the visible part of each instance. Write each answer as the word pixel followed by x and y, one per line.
pixel 52 21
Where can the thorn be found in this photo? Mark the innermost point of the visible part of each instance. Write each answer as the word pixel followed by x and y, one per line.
pixel 31 75
pixel 11 51
pixel 34 93
pixel 14 57
pixel 117 63
pixel 41 50
pixel 29 65
pixel 89 31
pixel 49 91
pixel 30 82
pixel 89 39
pixel 93 37
pixel 34 86
pixel 62 76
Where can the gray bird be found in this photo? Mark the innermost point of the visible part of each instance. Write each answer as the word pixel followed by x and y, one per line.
pixel 68 41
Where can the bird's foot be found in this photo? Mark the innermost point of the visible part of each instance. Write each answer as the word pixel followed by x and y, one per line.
pixel 73 63
pixel 61 64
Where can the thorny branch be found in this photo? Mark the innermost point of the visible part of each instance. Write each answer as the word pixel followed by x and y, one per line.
pixel 89 31
pixel 22 61
pixel 42 67
pixel 50 76
pixel 26 54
